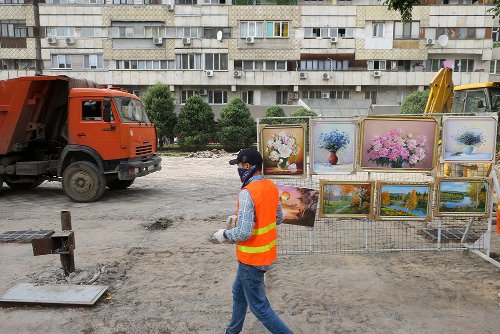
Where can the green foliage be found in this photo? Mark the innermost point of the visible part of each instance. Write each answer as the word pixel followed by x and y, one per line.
pixel 236 126
pixel 160 108
pixel 304 112
pixel 404 7
pixel 195 124
pixel 495 11
pixel 415 102
pixel 274 111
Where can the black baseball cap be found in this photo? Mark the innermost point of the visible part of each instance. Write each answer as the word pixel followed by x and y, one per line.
pixel 250 155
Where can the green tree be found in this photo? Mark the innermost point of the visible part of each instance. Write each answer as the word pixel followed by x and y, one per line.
pixel 195 124
pixel 236 126
pixel 160 109
pixel 274 111
pixel 415 102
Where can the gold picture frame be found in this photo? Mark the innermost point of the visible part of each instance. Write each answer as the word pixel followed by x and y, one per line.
pixel 346 199
pixel 404 201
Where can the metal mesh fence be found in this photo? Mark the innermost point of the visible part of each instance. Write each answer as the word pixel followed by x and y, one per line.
pixel 349 235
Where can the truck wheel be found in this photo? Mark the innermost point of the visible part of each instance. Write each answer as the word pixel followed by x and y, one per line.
pixel 29 184
pixel 82 182
pixel 120 184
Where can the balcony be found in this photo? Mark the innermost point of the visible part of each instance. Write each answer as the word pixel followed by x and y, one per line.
pixel 13 43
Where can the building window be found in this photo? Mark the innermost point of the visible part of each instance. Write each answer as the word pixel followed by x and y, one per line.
pixel 92 62
pixel 11 1
pixel 188 61
pixel 247 97
pixel 253 65
pixel 282 97
pixel 122 32
pixel 145 64
pixel 214 2
pixel 371 95
pixel 458 33
pixel 186 2
pixel 17 64
pixel 123 2
pixel 376 65
pixel 217 96
pixel 216 61
pixel 60 32
pixel 324 65
pixel 152 2
pixel 328 32
pixel 61 61
pixel 311 94
pixel 496 34
pixel 378 29
pixel 276 29
pixel 186 94
pixel 211 32
pixel 157 31
pixel 464 65
pixel 251 29
pixel 495 67
pixel 13 28
pixel 90 32
pixel 187 32
pixel 406 30
pixel 340 94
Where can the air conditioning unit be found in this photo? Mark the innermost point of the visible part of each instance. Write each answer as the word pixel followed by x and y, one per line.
pixel 325 95
pixel 377 73
pixel 51 40
pixel 70 41
pixel 170 6
pixel 237 74
pixel 334 40
pixel 250 40
pixel 186 40
pixel 294 96
pixel 203 92
pixel 303 75
pixel 430 41
pixel 209 73
pixel 326 76
pixel 158 40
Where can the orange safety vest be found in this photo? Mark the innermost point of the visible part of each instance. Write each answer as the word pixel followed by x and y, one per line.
pixel 260 248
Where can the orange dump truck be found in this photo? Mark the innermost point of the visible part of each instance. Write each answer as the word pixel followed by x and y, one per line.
pixel 70 130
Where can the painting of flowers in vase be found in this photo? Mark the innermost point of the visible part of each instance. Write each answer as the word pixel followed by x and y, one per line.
pixel 398 144
pixel 283 149
pixel 469 138
pixel 333 146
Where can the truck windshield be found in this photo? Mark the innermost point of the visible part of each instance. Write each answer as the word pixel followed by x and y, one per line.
pixel 131 110
pixel 495 99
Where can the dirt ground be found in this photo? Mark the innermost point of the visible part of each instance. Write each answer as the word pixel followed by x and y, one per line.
pixel 150 244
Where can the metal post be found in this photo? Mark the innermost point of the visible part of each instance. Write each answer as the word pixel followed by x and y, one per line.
pixel 67 260
pixel 440 225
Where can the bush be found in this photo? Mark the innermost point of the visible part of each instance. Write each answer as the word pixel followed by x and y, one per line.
pixel 415 102
pixel 274 111
pixel 236 126
pixel 160 108
pixel 195 124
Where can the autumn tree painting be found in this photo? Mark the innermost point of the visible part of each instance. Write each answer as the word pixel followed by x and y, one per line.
pixel 345 199
pixel 463 196
pixel 404 200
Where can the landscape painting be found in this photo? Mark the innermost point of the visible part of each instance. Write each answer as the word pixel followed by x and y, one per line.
pixel 333 146
pixel 283 149
pixel 398 144
pixel 469 138
pixel 463 197
pixel 346 199
pixel 404 201
pixel 299 205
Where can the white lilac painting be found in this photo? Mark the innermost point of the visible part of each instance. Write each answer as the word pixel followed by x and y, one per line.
pixel 469 138
pixel 333 146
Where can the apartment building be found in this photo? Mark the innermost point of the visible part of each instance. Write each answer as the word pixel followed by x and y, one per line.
pixel 335 55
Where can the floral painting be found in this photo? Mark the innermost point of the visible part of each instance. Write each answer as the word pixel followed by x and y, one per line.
pixel 469 138
pixel 463 197
pixel 333 146
pixel 282 148
pixel 299 205
pixel 398 143
pixel 346 199
pixel 403 201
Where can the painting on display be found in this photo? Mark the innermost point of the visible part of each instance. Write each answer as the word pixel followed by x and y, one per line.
pixel 299 205
pixel 283 149
pixel 462 197
pixel 333 146
pixel 398 144
pixel 346 199
pixel 410 201
pixel 469 138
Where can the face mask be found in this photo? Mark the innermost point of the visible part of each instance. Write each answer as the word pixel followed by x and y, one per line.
pixel 246 174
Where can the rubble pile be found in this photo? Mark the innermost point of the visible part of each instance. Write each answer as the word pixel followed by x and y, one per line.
pixel 208 154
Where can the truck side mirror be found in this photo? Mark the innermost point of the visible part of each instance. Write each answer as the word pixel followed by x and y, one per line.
pixel 107 111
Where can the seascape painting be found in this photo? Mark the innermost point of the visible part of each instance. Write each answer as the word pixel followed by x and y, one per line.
pixel 346 199
pixel 299 205
pixel 464 197
pixel 403 201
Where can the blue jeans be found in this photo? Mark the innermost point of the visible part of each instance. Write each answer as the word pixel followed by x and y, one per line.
pixel 249 290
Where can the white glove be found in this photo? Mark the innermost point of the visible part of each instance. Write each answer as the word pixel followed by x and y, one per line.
pixel 219 236
pixel 231 222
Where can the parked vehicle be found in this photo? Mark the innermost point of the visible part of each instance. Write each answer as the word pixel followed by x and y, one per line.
pixel 73 131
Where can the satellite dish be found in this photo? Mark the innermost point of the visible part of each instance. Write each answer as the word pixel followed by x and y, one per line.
pixel 219 35
pixel 443 40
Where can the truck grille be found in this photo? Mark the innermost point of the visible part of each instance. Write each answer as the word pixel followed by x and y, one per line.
pixel 144 149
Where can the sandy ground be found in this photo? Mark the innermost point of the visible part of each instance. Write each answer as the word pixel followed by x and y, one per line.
pixel 171 280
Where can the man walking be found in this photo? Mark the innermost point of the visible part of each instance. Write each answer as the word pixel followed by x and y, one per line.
pixel 259 211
